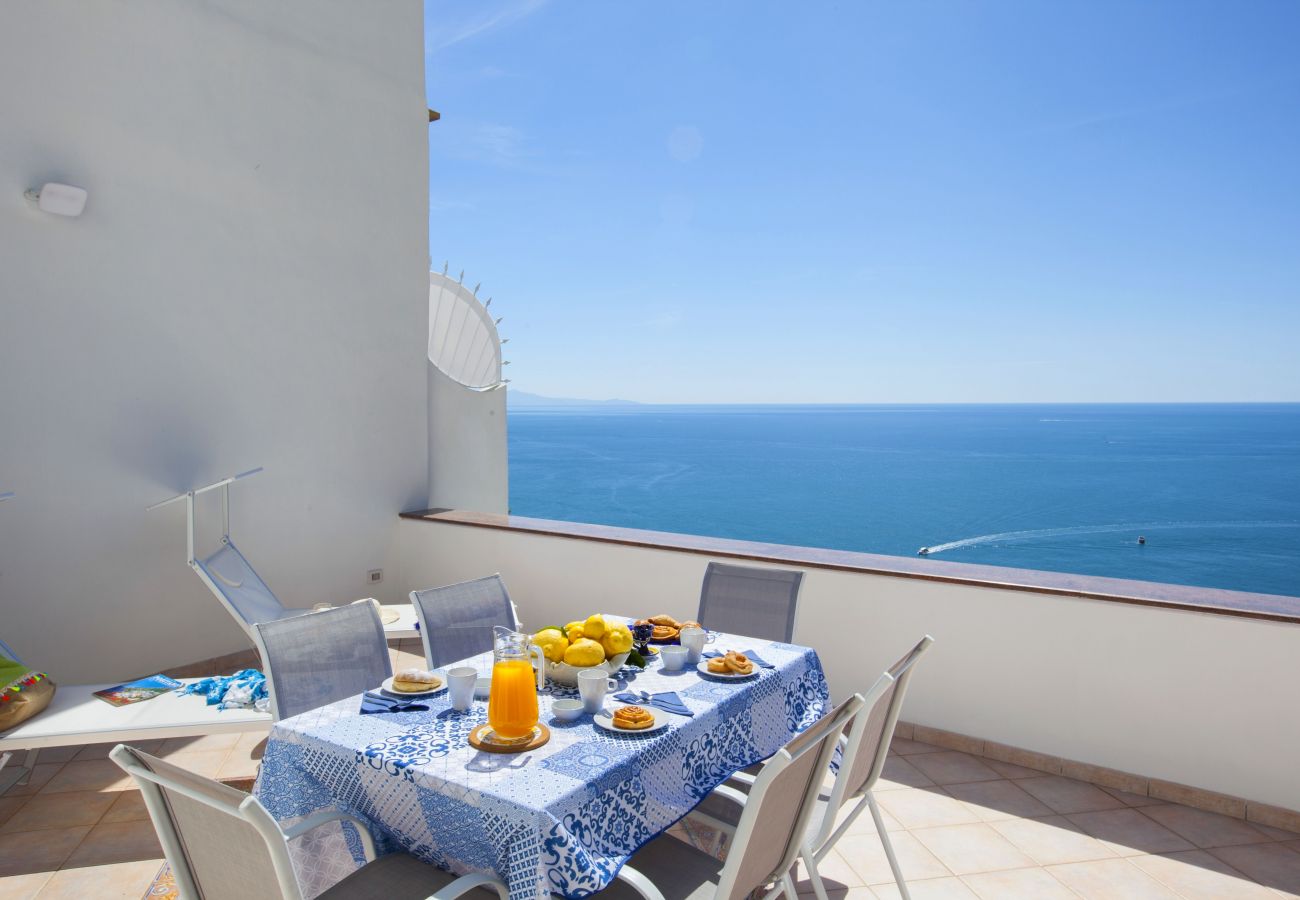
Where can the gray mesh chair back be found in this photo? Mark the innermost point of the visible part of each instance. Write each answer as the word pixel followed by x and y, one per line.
pixel 456 621
pixel 315 659
pixel 771 827
pixel 871 733
pixel 244 593
pixel 208 835
pixel 746 600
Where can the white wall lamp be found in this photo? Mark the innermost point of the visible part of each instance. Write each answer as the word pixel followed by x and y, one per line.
pixel 60 199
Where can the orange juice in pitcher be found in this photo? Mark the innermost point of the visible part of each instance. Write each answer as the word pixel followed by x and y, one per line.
pixel 512 700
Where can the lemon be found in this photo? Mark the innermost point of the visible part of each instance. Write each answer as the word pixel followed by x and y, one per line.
pixel 574 633
pixel 584 652
pixel 594 627
pixel 617 639
pixel 553 643
pixel 572 625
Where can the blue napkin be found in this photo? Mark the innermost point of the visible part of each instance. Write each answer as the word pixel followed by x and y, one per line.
pixel 377 703
pixel 668 701
pixel 753 657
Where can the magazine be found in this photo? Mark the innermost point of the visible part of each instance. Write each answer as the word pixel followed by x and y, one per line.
pixel 135 691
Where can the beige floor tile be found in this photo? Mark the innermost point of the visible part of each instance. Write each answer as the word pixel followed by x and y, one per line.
pixel 58 754
pixel 1129 799
pixel 1273 865
pixel 116 881
pixel 9 806
pixel 966 849
pixel 995 800
pixel 253 743
pixel 94 751
pixel 1011 770
pixel 1110 879
pixel 898 773
pixel 60 811
pixel 1065 795
pixel 1129 833
pixel 835 871
pixel 929 889
pixel 952 767
pixel 1276 834
pixel 907 748
pixel 865 824
pixel 867 857
pixel 1052 840
pixel 206 743
pixel 206 763
pixel 128 806
pixel 917 808
pixel 23 887
pixel 1196 875
pixel 89 775
pixel 27 852
pixel 1204 829
pixel 1019 884
pixel 116 842
pixel 39 777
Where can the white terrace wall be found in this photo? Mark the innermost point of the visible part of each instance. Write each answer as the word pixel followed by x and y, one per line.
pixel 248 286
pixel 1199 699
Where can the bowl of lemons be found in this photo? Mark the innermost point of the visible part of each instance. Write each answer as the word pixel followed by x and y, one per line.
pixel 597 641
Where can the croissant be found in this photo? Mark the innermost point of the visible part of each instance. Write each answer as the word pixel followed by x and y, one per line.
pixel 665 620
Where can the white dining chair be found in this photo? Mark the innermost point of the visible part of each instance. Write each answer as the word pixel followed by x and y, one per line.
pixel 222 844
pixel 321 657
pixel 768 834
pixel 865 747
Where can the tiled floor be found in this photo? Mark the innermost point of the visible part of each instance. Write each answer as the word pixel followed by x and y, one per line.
pixel 963 827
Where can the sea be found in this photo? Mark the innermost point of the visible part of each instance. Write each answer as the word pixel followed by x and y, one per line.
pixel 1213 488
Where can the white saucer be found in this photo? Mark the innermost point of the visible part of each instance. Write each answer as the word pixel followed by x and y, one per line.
pixel 605 720
pixel 703 669
pixel 387 688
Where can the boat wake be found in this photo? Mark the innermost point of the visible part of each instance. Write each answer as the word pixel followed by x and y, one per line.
pixel 1037 533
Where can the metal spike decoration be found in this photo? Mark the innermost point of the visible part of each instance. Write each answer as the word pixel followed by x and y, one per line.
pixel 498 320
pixel 476 287
pixel 488 305
pixel 446 265
pixel 505 362
pixel 461 278
pixel 505 341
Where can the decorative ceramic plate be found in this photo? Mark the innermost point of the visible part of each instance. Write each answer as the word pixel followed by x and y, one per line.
pixel 605 720
pixel 703 669
pixel 388 689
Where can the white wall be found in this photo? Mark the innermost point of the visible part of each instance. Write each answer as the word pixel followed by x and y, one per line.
pixel 248 286
pixel 468 462
pixel 1198 699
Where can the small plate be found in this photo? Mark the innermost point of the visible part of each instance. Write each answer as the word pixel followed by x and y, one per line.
pixel 387 688
pixel 703 669
pixel 605 720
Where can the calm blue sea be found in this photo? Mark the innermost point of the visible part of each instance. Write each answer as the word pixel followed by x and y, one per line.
pixel 1215 489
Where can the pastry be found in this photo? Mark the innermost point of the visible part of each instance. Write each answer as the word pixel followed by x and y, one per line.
pixel 719 666
pixel 685 625
pixel 633 718
pixel 415 681
pixel 738 663
pixel 665 620
pixel 663 633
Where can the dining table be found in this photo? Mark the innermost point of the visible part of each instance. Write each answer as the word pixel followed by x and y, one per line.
pixel 560 819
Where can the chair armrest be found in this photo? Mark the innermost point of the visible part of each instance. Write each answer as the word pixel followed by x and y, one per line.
pixel 466 883
pixel 639 883
pixel 743 778
pixel 331 815
pixel 729 793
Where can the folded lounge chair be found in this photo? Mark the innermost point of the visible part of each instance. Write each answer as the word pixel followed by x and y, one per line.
pixel 240 589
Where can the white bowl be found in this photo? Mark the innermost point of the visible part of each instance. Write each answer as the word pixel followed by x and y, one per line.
pixel 563 673
pixel 566 710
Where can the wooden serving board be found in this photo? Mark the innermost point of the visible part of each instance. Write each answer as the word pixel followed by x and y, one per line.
pixel 476 741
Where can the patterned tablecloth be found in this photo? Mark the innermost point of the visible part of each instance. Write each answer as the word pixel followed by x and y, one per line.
pixel 560 819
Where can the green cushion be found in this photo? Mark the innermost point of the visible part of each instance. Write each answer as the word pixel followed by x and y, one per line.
pixel 11 671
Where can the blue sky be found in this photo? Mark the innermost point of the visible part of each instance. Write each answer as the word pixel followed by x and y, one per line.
pixel 876 202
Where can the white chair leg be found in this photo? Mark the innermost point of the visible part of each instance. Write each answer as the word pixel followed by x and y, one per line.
pixel 788 883
pixel 810 863
pixel 889 848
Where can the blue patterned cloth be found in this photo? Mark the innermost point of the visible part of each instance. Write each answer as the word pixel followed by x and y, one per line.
pixel 560 819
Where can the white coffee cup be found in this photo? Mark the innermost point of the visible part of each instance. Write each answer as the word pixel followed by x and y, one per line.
pixel 694 639
pixel 674 657
pixel 460 685
pixel 593 684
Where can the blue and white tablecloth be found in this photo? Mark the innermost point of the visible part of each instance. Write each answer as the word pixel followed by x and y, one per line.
pixel 560 819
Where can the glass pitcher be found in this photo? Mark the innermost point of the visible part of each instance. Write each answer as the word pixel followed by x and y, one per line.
pixel 512 701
